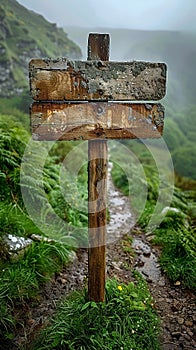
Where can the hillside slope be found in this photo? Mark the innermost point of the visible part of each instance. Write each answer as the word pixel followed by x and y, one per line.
pixel 25 35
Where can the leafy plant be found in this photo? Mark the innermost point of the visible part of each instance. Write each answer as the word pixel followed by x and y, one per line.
pixel 21 276
pixel 175 233
pixel 12 144
pixel 20 279
pixel 178 256
pixel 126 320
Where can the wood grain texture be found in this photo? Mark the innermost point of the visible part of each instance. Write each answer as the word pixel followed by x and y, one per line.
pixel 65 80
pixel 96 120
pixel 98 47
pixel 97 218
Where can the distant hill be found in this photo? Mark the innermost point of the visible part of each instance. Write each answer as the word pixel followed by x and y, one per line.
pixel 177 49
pixel 25 35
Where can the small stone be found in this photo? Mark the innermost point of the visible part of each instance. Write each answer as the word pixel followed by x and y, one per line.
pixel 190 312
pixel 189 323
pixel 176 334
pixel 161 299
pixel 161 282
pixel 168 300
pixel 177 283
pixel 186 336
pixel 190 334
pixel 61 280
pixel 180 320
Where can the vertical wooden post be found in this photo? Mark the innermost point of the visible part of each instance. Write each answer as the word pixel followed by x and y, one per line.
pixel 98 49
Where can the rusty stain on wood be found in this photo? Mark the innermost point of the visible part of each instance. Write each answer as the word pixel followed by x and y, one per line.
pixel 65 80
pixel 100 120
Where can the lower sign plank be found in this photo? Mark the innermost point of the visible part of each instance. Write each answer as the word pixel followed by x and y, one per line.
pixel 100 120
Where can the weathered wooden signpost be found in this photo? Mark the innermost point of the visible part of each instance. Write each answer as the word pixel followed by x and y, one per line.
pixel 75 101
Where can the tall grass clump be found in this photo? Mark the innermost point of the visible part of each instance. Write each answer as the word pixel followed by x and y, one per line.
pixel 127 320
pixel 21 279
pixel 22 274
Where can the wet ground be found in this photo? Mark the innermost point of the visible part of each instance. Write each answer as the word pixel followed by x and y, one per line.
pixel 174 304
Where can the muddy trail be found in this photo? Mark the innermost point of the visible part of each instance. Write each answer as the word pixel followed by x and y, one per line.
pixel 174 304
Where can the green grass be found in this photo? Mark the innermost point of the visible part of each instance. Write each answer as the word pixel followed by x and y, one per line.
pixel 127 320
pixel 175 233
pixel 178 258
pixel 22 277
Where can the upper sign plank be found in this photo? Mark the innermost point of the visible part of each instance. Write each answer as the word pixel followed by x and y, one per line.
pixel 65 80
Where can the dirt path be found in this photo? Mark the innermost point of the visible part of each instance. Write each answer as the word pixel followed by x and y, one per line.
pixel 175 305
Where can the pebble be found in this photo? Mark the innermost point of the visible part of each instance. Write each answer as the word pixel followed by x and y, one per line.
pixel 161 282
pixel 190 334
pixel 186 336
pixel 168 300
pixel 178 283
pixel 180 320
pixel 16 243
pixel 176 334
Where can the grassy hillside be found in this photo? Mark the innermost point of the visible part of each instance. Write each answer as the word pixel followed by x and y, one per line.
pixel 25 35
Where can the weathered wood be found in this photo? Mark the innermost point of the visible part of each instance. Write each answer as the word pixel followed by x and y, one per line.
pixel 98 47
pixel 97 194
pixel 65 80
pixel 100 120
pixel 53 82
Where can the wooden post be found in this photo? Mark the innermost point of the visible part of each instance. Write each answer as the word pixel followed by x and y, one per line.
pixel 98 49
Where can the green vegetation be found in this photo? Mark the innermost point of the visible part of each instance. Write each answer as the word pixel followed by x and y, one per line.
pixel 179 134
pixel 25 35
pixel 175 231
pixel 128 312
pixel 127 320
pixel 22 277
pixel 22 274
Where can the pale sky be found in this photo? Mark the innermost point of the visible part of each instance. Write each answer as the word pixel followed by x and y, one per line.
pixel 133 14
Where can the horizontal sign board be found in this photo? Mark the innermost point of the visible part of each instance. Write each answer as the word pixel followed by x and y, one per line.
pixel 65 80
pixel 96 120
